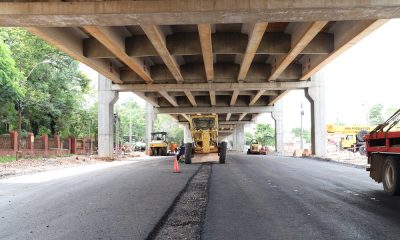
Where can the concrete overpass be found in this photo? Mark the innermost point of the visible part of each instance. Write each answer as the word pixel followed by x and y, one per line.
pixel 231 58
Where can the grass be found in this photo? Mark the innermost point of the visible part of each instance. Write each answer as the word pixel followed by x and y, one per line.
pixel 7 159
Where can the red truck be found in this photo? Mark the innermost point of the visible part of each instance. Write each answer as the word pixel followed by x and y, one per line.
pixel 383 152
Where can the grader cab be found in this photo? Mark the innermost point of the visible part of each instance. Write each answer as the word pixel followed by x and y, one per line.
pixel 205 146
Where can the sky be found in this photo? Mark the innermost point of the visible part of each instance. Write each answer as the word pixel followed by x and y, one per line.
pixel 366 74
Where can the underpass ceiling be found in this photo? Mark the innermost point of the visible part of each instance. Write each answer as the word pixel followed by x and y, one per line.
pixel 232 59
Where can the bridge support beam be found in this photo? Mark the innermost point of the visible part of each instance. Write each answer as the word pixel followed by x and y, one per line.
pixel 150 118
pixel 107 99
pixel 187 135
pixel 316 96
pixel 277 115
pixel 238 137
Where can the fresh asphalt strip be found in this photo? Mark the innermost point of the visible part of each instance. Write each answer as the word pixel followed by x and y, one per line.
pixel 184 218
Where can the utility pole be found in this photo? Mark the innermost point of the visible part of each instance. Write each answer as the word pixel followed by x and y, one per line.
pixel 301 125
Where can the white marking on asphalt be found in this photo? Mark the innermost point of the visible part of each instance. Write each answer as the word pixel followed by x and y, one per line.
pixel 62 173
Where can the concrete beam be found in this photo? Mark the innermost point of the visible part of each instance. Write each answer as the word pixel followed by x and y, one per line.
pixel 181 44
pixel 242 116
pixel 191 98
pixel 256 97
pixel 346 35
pixel 302 34
pixel 69 43
pixel 212 97
pixel 122 13
pixel 211 86
pixel 186 117
pixel 157 38
pixel 206 48
pixel 116 44
pixel 228 116
pixel 278 97
pixel 255 36
pixel 234 122
pixel 235 95
pixel 150 100
pixel 170 99
pixel 217 110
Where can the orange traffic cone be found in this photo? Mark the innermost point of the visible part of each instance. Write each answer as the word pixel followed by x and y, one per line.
pixel 176 165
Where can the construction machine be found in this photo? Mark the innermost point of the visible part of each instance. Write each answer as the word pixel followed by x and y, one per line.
pixel 205 146
pixel 353 136
pixel 254 147
pixel 158 145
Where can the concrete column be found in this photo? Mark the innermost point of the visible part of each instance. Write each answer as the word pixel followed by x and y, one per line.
pixel 239 138
pixel 316 96
pixel 150 117
pixel 277 115
pixel 187 135
pixel 107 99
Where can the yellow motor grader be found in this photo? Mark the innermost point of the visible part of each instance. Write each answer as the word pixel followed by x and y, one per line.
pixel 205 145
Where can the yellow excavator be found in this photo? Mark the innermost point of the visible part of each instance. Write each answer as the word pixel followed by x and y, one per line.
pixel 205 145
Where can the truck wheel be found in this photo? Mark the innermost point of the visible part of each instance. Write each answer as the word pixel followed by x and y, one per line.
pixel 248 151
pixel 188 153
pixel 362 150
pixel 390 176
pixel 222 152
pixel 361 134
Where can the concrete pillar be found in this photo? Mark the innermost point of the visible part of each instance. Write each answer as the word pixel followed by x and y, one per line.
pixel 187 135
pixel 239 138
pixel 107 99
pixel 277 115
pixel 150 117
pixel 316 96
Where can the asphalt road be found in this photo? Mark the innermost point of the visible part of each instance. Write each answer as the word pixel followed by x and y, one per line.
pixel 120 202
pixel 250 197
pixel 267 197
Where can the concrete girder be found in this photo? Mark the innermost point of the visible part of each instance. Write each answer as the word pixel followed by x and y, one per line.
pixel 211 86
pixel 228 116
pixel 170 99
pixel 302 34
pixel 148 99
pixel 235 95
pixel 255 38
pixel 223 72
pixel 206 48
pixel 346 35
pixel 278 97
pixel 242 116
pixel 186 117
pixel 256 97
pixel 69 43
pixel 181 44
pixel 191 98
pixel 157 38
pixel 212 98
pixel 203 93
pixel 103 13
pixel 234 122
pixel 115 43
pixel 217 110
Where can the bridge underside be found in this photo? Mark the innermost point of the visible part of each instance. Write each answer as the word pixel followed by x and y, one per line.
pixel 232 58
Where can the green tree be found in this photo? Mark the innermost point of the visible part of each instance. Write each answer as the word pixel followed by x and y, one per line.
pixel 131 112
pixel 249 137
pixel 10 90
pixel 166 123
pixel 54 99
pixel 265 134
pixel 375 114
pixel 306 134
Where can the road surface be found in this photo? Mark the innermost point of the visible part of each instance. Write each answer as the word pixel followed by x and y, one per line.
pixel 250 197
pixel 258 197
